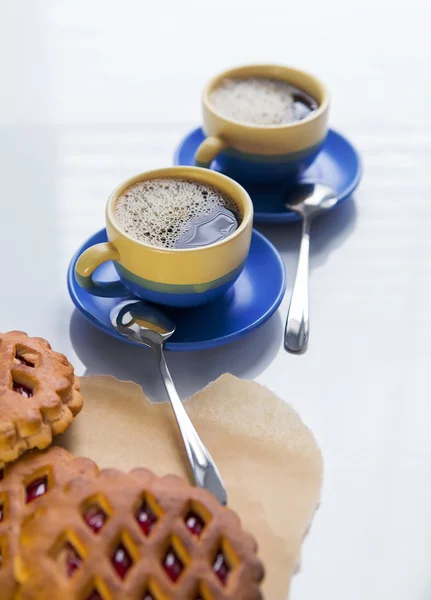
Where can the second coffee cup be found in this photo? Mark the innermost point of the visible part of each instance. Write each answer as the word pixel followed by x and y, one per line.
pixel 178 236
pixel 263 122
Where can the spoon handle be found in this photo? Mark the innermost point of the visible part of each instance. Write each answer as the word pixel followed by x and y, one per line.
pixel 205 472
pixel 297 323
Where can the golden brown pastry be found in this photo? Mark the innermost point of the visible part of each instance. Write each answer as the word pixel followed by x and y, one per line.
pixel 39 394
pixel 135 536
pixel 22 486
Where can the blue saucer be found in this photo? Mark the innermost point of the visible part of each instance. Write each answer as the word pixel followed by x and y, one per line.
pixel 338 165
pixel 254 297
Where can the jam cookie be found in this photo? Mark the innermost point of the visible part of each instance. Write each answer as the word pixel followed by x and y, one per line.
pixel 39 394
pixel 22 485
pixel 135 536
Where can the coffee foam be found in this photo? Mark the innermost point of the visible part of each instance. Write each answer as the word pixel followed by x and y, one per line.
pixel 159 211
pixel 255 100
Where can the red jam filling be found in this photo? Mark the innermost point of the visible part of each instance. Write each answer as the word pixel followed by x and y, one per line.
pixel 95 517
pixel 194 523
pixel 221 567
pixel 146 518
pixel 72 559
pixel 36 488
pixel 172 564
pixel 22 389
pixel 22 360
pixel 94 595
pixel 121 561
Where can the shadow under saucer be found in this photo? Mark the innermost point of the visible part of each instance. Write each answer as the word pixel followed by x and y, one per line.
pixel 328 233
pixel 246 357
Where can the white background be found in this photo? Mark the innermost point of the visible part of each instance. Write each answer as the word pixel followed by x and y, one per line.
pixel 94 91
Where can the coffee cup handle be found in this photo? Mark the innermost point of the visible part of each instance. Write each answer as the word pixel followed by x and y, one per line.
pixel 88 262
pixel 208 150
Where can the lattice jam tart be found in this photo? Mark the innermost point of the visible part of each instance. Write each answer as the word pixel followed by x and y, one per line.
pixel 22 486
pixel 39 394
pixel 135 536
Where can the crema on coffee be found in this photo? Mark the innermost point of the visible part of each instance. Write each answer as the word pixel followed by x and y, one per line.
pixel 176 213
pixel 261 101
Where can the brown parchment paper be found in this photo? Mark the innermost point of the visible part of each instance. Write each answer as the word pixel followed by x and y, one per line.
pixel 269 460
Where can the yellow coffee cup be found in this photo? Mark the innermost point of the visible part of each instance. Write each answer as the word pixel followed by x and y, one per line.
pixel 171 276
pixel 263 152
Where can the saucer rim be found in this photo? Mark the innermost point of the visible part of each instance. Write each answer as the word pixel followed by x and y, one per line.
pixel 181 346
pixel 290 217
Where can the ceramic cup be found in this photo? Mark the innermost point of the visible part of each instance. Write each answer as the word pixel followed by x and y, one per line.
pixel 170 276
pixel 263 152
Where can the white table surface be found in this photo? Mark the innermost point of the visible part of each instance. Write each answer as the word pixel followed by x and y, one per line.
pixel 94 91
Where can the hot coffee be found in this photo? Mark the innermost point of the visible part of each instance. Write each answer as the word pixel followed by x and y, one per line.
pixel 261 101
pixel 176 213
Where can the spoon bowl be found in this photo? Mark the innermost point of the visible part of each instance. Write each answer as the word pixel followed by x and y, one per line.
pixel 310 199
pixel 140 322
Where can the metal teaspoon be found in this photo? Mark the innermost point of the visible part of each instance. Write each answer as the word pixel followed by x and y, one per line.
pixel 148 326
pixel 307 200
